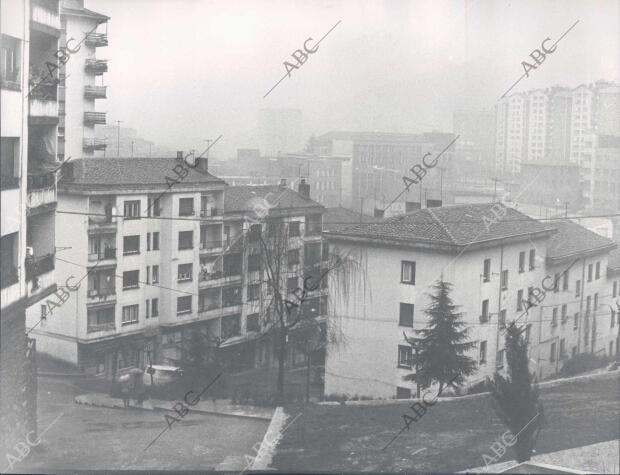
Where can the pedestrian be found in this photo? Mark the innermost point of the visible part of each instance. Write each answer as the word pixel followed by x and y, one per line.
pixel 125 382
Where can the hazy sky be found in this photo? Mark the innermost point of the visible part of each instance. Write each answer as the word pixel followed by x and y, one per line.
pixel 182 71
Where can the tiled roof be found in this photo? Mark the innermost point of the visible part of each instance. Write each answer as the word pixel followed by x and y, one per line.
pixel 572 239
pixel 451 225
pixel 238 199
pixel 118 172
pixel 338 218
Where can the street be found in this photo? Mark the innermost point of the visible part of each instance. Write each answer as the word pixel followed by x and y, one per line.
pixel 100 438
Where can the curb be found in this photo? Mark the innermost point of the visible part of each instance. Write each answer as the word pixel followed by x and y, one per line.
pixel 76 400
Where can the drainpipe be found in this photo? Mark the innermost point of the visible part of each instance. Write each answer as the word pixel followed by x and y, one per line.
pixel 581 292
pixel 499 302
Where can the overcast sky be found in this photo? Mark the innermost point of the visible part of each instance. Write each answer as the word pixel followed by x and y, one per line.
pixel 182 71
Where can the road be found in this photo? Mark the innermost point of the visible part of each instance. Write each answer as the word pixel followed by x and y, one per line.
pixel 93 438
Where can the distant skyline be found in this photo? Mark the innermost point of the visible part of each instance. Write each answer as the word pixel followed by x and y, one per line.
pixel 184 71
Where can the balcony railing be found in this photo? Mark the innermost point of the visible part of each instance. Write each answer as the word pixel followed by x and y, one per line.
pixel 209 211
pixel 45 17
pixel 100 327
pixel 94 144
pixel 95 92
pixel 102 292
pixel 38 182
pixel 108 253
pixel 94 117
pixel 35 266
pixel 43 108
pixel 41 86
pixel 40 197
pixel 209 306
pixel 210 246
pixel 97 66
pixel 97 39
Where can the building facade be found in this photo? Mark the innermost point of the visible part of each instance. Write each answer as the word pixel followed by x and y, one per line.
pixel 494 269
pixel 30 32
pixel 81 80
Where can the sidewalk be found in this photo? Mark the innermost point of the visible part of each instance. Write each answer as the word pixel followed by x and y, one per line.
pixel 222 407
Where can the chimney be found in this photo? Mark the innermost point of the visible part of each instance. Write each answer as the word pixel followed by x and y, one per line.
pixel 180 155
pixel 304 188
pixel 203 164
pixel 282 182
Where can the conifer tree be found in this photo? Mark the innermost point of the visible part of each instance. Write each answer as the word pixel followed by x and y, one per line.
pixel 439 351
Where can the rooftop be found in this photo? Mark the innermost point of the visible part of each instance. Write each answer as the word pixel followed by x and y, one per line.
pixel 238 199
pixel 573 239
pixel 455 226
pixel 338 218
pixel 102 173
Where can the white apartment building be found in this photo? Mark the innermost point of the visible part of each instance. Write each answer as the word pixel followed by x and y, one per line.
pixel 158 262
pixel 492 271
pixel 510 131
pixel 27 152
pixel 82 80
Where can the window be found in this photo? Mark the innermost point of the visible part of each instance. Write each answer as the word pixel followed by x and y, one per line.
pixel 154 308
pixel 589 272
pixel 186 206
pixel 291 284
pixel 504 279
pixel 576 321
pixel 186 240
pixel 293 257
pixel 255 232
pixel 148 274
pixel 155 279
pixel 254 262
pixel 562 349
pixel 598 271
pixel 131 245
pixel 528 332
pixel 252 324
pixel 554 318
pixel 552 353
pixel 9 162
pixel 519 300
pixel 403 393
pixel 231 296
pixel 293 229
pixel 253 292
pixel 11 61
pixel 131 279
pixel 232 264
pixel 532 259
pixel 405 318
pixel 231 326
pixel 483 352
pixel 595 301
pixel 148 241
pixel 156 241
pixel 154 207
pixel 404 356
pixel 132 209
pixel 486 273
pixel 565 281
pixel 407 272
pixel 577 288
pixel 521 262
pixel 185 272
pixel 564 313
pixel 130 314
pixel 148 308
pixel 500 358
pixel 502 318
pixel 485 311
pixel 184 304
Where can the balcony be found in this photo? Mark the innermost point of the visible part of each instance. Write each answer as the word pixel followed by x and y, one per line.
pixel 96 39
pixel 35 266
pixel 108 253
pixel 90 145
pixel 210 247
pixel 100 327
pixel 42 16
pixel 95 92
pixel 101 295
pixel 96 66
pixel 41 190
pixel 94 118
pixel 210 212
pixel 101 224
pixel 43 108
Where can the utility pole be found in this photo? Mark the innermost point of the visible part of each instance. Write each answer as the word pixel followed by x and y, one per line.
pixel 118 137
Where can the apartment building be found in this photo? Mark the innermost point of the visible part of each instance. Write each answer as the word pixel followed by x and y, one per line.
pixel 28 186
pixel 82 80
pixel 602 177
pixel 557 123
pixel 494 268
pixel 131 239
pixel 379 161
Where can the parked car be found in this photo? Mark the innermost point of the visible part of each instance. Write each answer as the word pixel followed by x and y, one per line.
pixel 161 374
